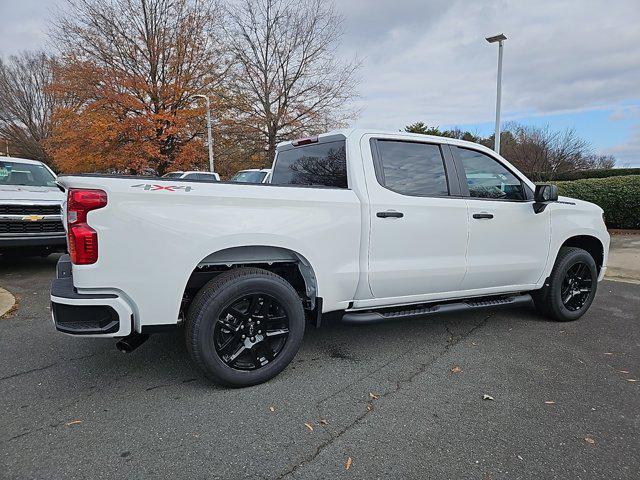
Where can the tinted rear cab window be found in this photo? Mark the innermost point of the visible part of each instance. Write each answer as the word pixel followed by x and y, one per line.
pixel 320 164
pixel 412 168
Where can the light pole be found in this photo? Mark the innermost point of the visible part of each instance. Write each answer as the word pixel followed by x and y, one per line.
pixel 500 39
pixel 209 137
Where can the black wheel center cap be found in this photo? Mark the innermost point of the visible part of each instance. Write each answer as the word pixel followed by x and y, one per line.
pixel 251 328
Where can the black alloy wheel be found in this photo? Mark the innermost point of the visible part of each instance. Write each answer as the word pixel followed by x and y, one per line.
pixel 576 286
pixel 251 332
pixel 570 288
pixel 244 326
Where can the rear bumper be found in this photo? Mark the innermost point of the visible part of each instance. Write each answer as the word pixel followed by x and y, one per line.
pixel 87 314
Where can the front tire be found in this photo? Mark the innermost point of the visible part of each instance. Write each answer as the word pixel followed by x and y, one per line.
pixel 244 327
pixel 571 287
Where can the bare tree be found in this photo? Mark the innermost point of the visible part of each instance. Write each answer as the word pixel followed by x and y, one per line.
pixel 288 79
pixel 542 151
pixel 26 104
pixel 142 61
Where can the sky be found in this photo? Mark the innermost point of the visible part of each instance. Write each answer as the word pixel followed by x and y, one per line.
pixel 567 64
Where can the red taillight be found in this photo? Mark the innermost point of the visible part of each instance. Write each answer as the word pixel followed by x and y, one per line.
pixel 83 240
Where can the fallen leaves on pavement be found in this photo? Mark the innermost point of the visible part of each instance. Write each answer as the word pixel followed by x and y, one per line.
pixel 456 370
pixel 347 465
pixel 309 426
pixel 589 440
pixel 373 396
pixel 549 402
pixel 272 408
pixel 487 397
pixel 322 421
pixel 73 422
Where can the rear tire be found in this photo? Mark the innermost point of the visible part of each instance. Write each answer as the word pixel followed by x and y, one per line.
pixel 244 327
pixel 571 287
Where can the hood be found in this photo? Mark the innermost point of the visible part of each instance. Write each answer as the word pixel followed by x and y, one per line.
pixel 582 204
pixel 9 193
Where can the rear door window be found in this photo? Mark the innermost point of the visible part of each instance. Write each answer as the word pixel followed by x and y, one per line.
pixel 412 168
pixel 322 164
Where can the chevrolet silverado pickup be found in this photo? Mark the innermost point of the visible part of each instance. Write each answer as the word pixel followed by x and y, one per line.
pixel 30 202
pixel 379 226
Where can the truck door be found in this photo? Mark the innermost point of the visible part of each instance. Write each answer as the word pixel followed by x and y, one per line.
pixel 508 241
pixel 418 234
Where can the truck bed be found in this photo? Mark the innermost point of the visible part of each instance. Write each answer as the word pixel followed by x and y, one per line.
pixel 153 233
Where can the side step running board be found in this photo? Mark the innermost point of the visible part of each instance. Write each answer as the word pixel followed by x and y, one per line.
pixel 417 311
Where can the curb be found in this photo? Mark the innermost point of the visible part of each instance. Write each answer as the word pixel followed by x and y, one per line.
pixel 622 278
pixel 7 301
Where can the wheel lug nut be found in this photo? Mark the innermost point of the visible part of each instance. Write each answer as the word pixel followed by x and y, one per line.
pixel 258 322
pixel 253 339
pixel 244 336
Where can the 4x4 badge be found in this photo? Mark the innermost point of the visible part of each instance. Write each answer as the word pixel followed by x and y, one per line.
pixel 171 188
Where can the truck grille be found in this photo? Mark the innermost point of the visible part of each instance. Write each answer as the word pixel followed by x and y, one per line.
pixel 29 209
pixel 31 227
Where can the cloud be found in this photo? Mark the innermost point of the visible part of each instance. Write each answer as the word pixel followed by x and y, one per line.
pixel 628 153
pixel 23 24
pixel 625 112
pixel 429 61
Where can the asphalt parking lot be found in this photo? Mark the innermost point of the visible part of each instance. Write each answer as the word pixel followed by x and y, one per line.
pixel 400 400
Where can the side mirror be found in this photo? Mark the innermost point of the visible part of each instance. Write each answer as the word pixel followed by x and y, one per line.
pixel 544 195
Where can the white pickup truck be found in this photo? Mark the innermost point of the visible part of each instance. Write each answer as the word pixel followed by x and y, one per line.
pixel 380 226
pixel 30 201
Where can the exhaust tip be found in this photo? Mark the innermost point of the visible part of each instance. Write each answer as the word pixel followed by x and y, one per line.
pixel 129 343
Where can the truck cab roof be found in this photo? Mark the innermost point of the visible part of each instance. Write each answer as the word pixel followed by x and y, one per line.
pixel 351 133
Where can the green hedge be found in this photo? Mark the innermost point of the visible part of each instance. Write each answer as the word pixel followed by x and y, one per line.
pixel 601 173
pixel 619 197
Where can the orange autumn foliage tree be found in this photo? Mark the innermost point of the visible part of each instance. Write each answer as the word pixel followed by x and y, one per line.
pixel 128 76
pixel 108 130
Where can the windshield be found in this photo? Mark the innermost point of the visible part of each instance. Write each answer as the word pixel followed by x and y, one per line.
pixel 172 175
pixel 249 176
pixel 33 175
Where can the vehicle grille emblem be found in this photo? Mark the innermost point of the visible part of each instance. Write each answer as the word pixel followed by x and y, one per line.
pixel 32 218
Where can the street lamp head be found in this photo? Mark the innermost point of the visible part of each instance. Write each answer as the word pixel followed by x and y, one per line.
pixel 496 38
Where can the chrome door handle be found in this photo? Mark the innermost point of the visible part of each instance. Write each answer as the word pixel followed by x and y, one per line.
pixel 390 214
